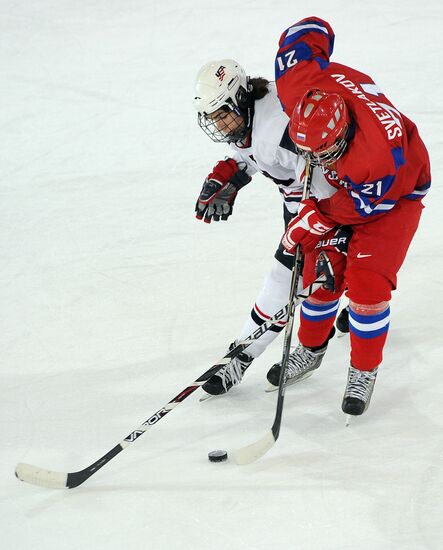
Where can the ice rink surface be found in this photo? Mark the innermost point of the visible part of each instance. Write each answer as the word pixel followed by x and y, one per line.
pixel 114 298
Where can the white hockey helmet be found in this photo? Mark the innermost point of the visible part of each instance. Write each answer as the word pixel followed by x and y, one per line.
pixel 222 84
pixel 218 84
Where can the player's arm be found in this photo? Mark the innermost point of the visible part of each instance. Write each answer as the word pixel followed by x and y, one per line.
pixel 304 51
pixel 310 39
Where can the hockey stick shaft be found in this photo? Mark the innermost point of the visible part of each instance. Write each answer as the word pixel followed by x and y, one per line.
pixel 252 452
pixel 60 480
pixel 296 272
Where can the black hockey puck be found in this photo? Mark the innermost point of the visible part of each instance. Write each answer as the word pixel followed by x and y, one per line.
pixel 217 456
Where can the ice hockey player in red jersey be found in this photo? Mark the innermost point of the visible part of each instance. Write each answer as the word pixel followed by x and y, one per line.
pixel 342 122
pixel 246 114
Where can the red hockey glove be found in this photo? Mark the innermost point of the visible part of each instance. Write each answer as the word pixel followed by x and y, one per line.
pixel 306 228
pixel 217 197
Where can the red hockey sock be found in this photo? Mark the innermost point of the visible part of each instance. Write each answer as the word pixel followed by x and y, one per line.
pixel 368 337
pixel 316 321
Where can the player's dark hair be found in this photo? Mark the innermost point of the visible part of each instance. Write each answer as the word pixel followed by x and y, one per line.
pixel 259 87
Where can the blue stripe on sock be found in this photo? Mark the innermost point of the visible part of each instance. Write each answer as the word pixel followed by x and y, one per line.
pixel 368 319
pixel 317 307
pixel 367 334
pixel 314 312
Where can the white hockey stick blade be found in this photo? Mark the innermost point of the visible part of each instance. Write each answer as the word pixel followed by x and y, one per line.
pixel 41 477
pixel 253 452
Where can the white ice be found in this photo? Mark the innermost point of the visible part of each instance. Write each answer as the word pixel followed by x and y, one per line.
pixel 114 298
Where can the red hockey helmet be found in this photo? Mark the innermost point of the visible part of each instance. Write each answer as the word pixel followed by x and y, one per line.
pixel 319 126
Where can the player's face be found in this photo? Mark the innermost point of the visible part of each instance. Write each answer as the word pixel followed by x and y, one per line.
pixel 224 125
pixel 227 122
pixel 327 157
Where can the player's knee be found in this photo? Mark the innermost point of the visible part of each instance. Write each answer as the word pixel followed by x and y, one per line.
pixel 286 260
pixel 368 287
pixel 324 296
pixel 279 272
pixel 369 309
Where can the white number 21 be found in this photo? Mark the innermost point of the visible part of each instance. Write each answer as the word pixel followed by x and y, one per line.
pixel 287 63
pixel 372 188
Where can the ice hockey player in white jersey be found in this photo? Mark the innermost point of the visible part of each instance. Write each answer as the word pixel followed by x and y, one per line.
pixel 246 113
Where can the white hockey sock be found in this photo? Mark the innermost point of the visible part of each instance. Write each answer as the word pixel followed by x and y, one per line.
pixel 273 297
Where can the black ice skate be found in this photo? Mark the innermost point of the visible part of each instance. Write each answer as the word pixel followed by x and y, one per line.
pixel 228 376
pixel 358 392
pixel 301 364
pixel 342 321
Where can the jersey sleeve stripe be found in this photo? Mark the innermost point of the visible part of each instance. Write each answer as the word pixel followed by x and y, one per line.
pixel 419 192
pixel 295 33
pixel 366 208
pixel 311 27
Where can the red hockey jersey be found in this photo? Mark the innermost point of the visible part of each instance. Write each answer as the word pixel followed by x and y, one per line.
pixel 386 158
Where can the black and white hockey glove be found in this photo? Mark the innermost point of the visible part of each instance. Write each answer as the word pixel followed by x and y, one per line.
pixel 218 194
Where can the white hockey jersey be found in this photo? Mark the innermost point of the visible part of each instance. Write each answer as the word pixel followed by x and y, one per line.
pixel 270 151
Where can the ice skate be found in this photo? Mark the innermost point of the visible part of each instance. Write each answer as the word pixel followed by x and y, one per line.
pixel 228 376
pixel 358 392
pixel 301 364
pixel 342 322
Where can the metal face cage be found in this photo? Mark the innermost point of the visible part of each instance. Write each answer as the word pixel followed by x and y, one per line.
pixel 326 157
pixel 225 125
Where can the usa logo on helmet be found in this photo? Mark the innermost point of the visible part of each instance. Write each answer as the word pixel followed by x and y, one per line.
pixel 220 73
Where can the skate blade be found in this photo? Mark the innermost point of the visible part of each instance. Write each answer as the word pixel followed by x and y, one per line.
pixel 348 420
pixel 340 334
pixel 271 387
pixel 206 397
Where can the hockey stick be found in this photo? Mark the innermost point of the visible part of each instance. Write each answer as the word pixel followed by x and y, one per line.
pixel 62 480
pixel 252 452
